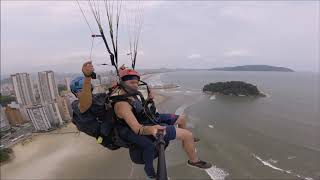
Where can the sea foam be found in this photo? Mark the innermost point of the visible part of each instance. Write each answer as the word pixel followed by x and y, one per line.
pixel 267 163
pixel 213 97
pixel 216 173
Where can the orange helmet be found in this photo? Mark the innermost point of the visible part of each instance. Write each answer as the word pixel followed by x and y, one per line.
pixel 127 74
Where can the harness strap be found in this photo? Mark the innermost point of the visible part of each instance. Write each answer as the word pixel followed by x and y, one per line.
pixel 122 97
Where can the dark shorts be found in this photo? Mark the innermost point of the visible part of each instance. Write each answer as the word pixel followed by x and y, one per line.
pixel 168 120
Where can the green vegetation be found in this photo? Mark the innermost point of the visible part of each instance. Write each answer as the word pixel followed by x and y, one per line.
pixel 5 154
pixel 236 88
pixel 4 100
pixel 61 88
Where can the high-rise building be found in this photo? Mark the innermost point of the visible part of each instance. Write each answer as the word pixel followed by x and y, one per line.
pixel 53 113
pixel 44 117
pixel 37 93
pixel 47 87
pixel 64 108
pixel 69 98
pixel 67 81
pixel 23 88
pixel 49 94
pixel 4 123
pixel 39 118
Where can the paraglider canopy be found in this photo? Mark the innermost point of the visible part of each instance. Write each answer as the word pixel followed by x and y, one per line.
pixel 106 15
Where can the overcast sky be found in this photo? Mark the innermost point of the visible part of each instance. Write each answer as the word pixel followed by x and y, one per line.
pixel 53 35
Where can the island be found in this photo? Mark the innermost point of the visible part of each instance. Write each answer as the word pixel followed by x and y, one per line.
pixel 253 68
pixel 233 88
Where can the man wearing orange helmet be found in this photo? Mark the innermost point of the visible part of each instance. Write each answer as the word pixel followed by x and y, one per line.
pixel 130 113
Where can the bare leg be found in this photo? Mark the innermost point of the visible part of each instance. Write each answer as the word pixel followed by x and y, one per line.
pixel 181 121
pixel 187 143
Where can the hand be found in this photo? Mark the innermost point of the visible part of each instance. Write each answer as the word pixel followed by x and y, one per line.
pixel 87 68
pixel 154 130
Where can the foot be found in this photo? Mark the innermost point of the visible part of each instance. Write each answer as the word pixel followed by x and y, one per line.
pixel 200 164
pixel 196 139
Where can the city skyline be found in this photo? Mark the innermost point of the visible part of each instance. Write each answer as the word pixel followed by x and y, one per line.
pixel 48 111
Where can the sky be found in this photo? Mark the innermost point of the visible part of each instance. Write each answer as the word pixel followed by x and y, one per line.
pixel 53 35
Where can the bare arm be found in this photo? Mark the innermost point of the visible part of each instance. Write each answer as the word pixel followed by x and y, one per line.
pixel 85 98
pixel 123 111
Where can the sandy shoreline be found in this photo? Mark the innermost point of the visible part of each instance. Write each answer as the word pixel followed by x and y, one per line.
pixel 49 155
pixel 71 155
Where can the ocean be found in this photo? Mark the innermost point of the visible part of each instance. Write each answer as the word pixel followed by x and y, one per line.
pixel 276 137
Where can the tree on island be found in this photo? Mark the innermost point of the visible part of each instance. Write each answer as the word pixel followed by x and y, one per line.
pixel 235 88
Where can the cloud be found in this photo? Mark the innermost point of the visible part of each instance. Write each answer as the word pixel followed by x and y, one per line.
pixel 237 53
pixel 194 56
pixel 136 5
pixel 250 13
pixel 54 32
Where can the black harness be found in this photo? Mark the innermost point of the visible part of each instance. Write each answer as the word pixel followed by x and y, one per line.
pixel 101 122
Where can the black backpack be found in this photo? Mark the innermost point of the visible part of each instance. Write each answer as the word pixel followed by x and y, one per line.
pixel 98 121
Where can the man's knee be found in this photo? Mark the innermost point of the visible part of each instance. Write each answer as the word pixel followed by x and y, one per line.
pixel 181 119
pixel 184 134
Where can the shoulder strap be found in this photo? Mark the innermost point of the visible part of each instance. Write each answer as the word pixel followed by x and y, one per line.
pixel 122 97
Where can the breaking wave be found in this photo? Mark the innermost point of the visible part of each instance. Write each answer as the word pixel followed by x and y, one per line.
pixel 267 163
pixel 216 173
